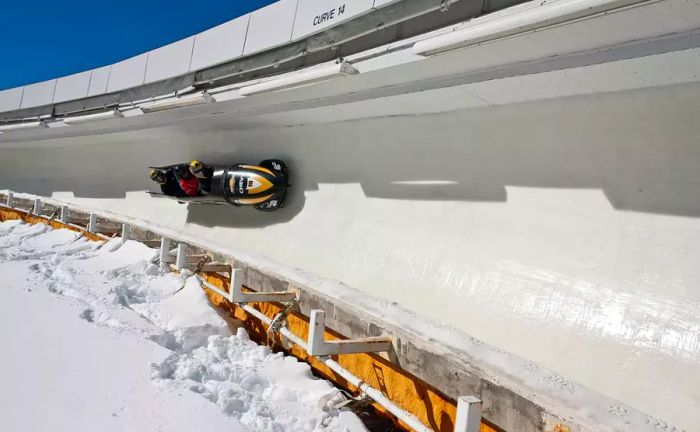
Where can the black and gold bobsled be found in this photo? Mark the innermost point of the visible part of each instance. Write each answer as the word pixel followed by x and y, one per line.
pixel 263 186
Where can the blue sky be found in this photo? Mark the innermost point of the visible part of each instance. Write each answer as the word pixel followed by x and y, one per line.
pixel 44 39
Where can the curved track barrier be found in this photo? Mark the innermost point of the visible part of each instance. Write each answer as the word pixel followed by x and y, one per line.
pixel 290 316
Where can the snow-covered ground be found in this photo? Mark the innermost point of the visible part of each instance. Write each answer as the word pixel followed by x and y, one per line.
pixel 95 337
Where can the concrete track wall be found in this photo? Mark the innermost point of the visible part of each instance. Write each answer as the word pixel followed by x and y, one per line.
pixel 565 231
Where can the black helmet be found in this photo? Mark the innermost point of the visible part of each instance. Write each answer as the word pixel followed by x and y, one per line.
pixel 183 171
pixel 157 176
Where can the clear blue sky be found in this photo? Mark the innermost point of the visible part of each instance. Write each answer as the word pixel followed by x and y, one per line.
pixel 44 39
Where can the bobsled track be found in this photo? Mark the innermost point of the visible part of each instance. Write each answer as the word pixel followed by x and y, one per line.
pixel 538 192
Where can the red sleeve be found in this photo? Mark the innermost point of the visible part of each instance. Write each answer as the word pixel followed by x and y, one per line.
pixel 190 186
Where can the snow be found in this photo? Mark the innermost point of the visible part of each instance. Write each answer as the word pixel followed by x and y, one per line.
pixel 96 337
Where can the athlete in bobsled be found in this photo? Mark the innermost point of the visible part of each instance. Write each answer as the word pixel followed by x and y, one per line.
pixel 263 186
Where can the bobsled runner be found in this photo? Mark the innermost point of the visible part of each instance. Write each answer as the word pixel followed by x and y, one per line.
pixel 263 186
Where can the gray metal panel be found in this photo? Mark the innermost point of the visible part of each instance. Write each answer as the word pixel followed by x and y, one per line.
pixel 169 61
pixel 219 44
pixel 315 15
pixel 38 94
pixel 98 81
pixel 10 99
pixel 71 87
pixel 128 73
pixel 270 26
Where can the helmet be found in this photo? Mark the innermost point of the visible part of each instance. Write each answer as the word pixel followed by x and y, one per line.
pixel 157 176
pixel 196 166
pixel 182 171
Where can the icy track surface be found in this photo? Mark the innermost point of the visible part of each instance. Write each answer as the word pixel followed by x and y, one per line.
pixel 96 337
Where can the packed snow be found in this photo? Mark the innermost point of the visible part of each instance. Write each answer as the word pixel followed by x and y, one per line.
pixel 96 337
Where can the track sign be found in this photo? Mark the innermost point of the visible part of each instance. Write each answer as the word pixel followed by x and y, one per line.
pixel 316 15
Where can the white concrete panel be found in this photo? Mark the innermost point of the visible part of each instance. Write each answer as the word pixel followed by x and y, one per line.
pixel 381 3
pixel 99 80
pixel 10 99
pixel 127 73
pixel 676 11
pixel 38 94
pixel 72 87
pixel 219 44
pixel 663 69
pixel 169 61
pixel 270 26
pixel 315 15
pixel 623 26
pixel 426 102
pixel 525 88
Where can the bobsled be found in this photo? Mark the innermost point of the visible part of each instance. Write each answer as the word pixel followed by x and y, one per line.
pixel 263 186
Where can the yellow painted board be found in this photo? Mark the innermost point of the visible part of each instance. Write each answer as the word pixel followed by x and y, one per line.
pixel 429 405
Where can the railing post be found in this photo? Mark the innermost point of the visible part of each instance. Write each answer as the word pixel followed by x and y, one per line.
pixel 126 232
pixel 164 252
pixel 10 199
pixel 38 205
pixel 92 224
pixel 64 214
pixel 181 256
pixel 468 414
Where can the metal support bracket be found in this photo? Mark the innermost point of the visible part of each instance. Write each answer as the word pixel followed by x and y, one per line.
pixel 318 346
pixel 216 267
pixel 236 294
pixel 468 414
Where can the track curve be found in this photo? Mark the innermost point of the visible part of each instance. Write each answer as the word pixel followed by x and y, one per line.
pixel 544 228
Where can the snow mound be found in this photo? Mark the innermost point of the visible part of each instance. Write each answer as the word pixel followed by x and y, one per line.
pixel 166 345
pixel 264 391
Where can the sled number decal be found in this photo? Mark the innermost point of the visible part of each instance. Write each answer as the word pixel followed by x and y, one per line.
pixel 248 185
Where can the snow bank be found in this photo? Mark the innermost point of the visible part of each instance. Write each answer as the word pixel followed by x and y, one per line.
pixel 97 337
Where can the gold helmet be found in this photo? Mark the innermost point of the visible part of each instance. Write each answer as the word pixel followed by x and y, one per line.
pixel 156 175
pixel 196 166
pixel 197 169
